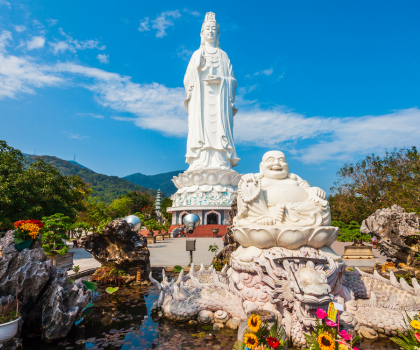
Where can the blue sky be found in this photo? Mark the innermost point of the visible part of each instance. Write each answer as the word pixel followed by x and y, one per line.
pixel 325 81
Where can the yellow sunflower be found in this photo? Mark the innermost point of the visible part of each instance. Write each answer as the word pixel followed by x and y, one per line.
pixel 326 342
pixel 415 324
pixel 251 340
pixel 254 323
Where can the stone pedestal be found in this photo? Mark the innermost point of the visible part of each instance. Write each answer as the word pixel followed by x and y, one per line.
pixel 151 239
pixel 358 252
pixel 64 261
pixel 160 238
pixel 167 235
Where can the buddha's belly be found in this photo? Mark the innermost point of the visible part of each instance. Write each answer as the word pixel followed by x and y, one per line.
pixel 278 194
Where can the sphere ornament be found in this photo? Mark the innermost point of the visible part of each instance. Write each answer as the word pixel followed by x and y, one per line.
pixel 133 221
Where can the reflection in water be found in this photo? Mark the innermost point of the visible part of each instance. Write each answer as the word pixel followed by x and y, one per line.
pixel 123 321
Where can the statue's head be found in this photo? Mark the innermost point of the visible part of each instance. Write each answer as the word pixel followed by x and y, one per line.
pixel 210 30
pixel 274 165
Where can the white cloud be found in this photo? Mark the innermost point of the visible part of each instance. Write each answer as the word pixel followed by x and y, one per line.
pixel 327 139
pixel 5 36
pixel 20 28
pixel 73 45
pixel 103 58
pixel 263 72
pixel 194 13
pixel 184 53
pixel 75 136
pixel 144 25
pixel 21 75
pixel 52 22
pixel 4 2
pixel 35 43
pixel 93 115
pixel 160 23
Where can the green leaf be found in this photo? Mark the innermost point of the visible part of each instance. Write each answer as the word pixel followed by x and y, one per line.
pixel 90 285
pixel 111 290
pixel 89 305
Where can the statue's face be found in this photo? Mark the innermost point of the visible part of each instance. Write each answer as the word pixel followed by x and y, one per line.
pixel 274 165
pixel 210 31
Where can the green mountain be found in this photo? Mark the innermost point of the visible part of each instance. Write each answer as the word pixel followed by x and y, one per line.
pixel 155 182
pixel 106 187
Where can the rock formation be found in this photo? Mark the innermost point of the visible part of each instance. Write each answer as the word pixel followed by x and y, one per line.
pixel 397 233
pixel 119 245
pixel 50 303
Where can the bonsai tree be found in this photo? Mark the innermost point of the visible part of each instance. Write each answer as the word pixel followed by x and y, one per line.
pixel 350 232
pixel 55 234
pixel 79 228
pixel 9 310
pixel 152 225
pixel 166 226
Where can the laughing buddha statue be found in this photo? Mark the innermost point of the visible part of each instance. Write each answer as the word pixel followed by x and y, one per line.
pixel 279 209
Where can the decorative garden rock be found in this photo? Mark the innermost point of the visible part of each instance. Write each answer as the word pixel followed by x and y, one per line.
pixel 394 229
pixel 119 245
pixel 229 241
pixel 50 303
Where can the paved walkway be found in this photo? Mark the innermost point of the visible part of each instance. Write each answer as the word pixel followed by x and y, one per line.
pixel 171 252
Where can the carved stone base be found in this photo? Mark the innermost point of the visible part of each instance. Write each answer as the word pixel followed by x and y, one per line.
pixel 151 240
pixel 160 238
pixel 289 237
pixel 358 252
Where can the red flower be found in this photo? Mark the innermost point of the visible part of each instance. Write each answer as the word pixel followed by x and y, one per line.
pixel 273 342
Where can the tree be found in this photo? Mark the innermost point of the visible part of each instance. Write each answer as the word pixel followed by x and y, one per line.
pixel 121 207
pixel 152 225
pixel 35 191
pixel 166 203
pixel 54 232
pixel 78 229
pixel 350 232
pixel 95 214
pixel 139 201
pixel 375 183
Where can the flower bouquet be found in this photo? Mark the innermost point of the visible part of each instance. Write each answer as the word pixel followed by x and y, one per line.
pixel 327 337
pixel 261 336
pixel 411 340
pixel 26 231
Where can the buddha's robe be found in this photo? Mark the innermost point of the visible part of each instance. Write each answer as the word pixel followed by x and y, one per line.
pixel 290 202
pixel 210 109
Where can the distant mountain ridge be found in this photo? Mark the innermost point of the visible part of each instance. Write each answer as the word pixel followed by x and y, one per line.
pixel 106 187
pixel 155 182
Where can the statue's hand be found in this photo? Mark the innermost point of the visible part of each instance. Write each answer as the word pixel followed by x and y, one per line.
pixel 249 178
pixel 318 192
pixel 213 79
pixel 266 221
pixel 201 62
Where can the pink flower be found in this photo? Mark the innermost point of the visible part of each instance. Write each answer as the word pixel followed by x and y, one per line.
pixel 321 314
pixel 330 323
pixel 355 348
pixel 343 334
pixel 417 337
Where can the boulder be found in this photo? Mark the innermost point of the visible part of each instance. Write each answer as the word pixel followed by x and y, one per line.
pixel 396 233
pixel 50 303
pixel 233 323
pixel 205 316
pixel 119 245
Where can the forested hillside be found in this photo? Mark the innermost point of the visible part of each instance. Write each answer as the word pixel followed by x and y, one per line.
pixel 155 182
pixel 106 187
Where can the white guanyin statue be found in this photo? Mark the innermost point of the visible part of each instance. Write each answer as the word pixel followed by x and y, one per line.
pixel 278 208
pixel 210 103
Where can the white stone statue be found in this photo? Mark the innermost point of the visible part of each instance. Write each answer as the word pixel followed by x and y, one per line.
pixel 210 87
pixel 279 209
pixel 277 197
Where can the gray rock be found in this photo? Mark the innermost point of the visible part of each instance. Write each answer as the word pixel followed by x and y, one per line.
pixel 119 245
pixel 205 316
pixel 217 326
pixel 49 302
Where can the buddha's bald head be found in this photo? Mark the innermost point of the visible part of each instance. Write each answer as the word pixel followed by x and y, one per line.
pixel 274 165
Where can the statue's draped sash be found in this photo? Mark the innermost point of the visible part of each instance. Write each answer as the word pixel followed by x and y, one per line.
pixel 193 103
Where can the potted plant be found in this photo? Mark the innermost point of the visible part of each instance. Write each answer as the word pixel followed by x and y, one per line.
pixel 54 240
pixel 9 319
pixel 26 232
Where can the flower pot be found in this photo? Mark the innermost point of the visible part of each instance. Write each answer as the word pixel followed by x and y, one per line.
pixel 8 330
pixel 24 245
pixel 64 261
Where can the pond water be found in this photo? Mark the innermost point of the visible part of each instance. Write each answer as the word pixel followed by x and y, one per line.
pixel 123 321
